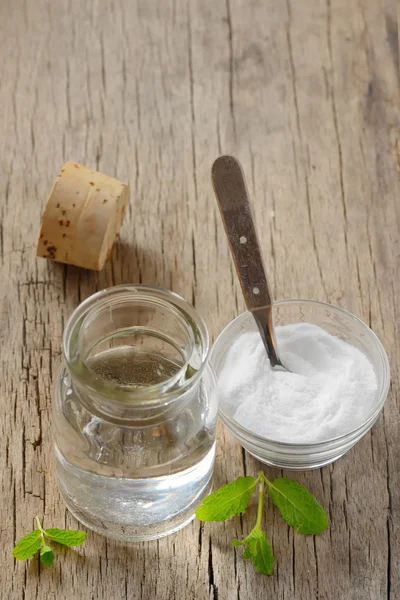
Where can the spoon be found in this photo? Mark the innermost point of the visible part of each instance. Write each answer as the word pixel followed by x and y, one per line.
pixel 234 205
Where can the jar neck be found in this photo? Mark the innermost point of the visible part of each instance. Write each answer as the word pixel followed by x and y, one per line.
pixel 133 351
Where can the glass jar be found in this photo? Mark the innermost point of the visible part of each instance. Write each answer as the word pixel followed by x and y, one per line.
pixel 134 413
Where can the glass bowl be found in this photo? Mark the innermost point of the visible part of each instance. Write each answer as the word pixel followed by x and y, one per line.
pixel 335 321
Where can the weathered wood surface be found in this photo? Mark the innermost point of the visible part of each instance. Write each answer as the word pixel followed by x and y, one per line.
pixel 306 94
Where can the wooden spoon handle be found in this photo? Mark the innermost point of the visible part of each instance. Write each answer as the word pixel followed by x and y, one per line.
pixel 234 205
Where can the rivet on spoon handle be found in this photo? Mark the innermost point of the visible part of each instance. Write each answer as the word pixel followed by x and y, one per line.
pixel 234 205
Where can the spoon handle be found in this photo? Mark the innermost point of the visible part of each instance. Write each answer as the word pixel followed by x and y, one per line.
pixel 234 205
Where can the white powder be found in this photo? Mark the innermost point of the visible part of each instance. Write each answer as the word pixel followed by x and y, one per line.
pixel 330 390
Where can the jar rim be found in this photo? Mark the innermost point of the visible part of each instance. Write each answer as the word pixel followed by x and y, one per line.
pixel 154 394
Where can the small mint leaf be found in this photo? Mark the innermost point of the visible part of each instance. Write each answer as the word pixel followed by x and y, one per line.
pixel 28 545
pixel 228 500
pixel 258 550
pixel 46 556
pixel 297 506
pixel 67 537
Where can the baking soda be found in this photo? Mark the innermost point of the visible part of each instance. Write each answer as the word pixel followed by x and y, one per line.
pixel 329 391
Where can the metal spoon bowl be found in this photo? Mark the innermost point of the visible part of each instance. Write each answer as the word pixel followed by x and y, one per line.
pixel 234 205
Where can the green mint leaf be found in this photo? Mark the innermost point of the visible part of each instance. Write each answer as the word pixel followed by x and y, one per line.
pixel 228 500
pixel 258 550
pixel 46 556
pixel 68 537
pixel 297 506
pixel 28 545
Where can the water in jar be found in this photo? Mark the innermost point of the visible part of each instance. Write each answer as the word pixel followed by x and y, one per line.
pixel 140 479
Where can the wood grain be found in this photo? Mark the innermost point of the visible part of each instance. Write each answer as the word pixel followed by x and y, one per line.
pixel 306 95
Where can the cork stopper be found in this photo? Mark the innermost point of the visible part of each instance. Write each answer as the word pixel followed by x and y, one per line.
pixel 82 217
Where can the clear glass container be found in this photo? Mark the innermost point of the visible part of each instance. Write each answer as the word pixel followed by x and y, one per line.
pixel 134 413
pixel 335 321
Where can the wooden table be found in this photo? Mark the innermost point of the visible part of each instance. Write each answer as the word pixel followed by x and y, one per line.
pixel 306 94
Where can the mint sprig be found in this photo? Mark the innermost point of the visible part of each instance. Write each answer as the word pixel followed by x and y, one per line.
pixel 297 506
pixel 30 544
